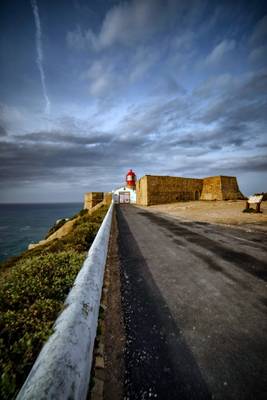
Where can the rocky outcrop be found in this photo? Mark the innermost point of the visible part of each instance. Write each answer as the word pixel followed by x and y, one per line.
pixel 62 231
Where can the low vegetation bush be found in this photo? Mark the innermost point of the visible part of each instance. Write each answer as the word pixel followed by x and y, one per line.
pixel 33 288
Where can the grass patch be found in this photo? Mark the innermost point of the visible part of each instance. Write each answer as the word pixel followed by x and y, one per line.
pixel 33 288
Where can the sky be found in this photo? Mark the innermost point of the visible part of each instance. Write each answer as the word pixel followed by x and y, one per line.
pixel 89 89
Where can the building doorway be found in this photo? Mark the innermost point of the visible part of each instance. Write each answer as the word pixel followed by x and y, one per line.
pixel 124 197
pixel 197 196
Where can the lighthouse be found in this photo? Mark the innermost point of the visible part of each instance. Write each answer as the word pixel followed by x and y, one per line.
pixel 131 179
pixel 127 193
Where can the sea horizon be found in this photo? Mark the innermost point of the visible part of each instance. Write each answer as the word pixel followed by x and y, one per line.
pixel 25 223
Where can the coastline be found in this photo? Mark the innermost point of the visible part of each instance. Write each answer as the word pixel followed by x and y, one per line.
pixel 25 223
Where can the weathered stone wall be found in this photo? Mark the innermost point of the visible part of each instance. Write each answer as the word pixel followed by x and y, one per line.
pixel 107 198
pixel 167 189
pixel 141 191
pixel 221 188
pixel 212 188
pixel 230 188
pixel 91 199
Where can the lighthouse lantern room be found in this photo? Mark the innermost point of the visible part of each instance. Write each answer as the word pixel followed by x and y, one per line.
pixel 131 179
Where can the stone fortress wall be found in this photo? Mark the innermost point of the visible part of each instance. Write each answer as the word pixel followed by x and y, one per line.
pixel 221 188
pixel 169 189
pixel 94 200
pixel 91 199
pixel 152 190
pixel 230 188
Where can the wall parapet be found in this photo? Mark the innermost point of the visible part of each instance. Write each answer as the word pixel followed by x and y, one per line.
pixel 62 369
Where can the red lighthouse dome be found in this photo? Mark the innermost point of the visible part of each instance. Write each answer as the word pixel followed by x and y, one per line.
pixel 131 179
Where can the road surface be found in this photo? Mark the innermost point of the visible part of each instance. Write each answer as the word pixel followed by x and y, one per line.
pixel 194 306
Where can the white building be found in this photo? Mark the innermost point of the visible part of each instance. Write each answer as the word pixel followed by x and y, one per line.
pixel 124 195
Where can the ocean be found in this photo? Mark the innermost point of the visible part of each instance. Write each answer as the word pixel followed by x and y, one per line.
pixel 21 224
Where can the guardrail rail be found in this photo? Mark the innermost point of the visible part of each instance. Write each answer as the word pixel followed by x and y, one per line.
pixel 62 369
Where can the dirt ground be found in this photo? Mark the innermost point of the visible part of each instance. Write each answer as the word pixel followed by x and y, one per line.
pixel 216 212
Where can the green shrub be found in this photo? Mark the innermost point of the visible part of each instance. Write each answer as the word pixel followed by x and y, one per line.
pixel 83 212
pixel 39 277
pixel 33 288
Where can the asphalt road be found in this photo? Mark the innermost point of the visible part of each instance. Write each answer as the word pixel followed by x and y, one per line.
pixel 194 302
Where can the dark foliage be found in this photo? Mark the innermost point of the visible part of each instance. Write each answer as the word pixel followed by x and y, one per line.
pixel 33 288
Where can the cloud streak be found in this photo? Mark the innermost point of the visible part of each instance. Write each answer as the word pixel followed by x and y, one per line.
pixel 39 50
pixel 219 51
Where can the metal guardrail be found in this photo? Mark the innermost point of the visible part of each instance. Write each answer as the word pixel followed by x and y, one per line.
pixel 62 369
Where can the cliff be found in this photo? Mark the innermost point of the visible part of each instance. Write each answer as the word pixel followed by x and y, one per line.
pixel 58 234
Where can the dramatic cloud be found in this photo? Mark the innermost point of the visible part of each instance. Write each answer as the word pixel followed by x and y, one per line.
pixel 157 135
pixel 62 137
pixel 125 24
pixel 163 87
pixel 246 103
